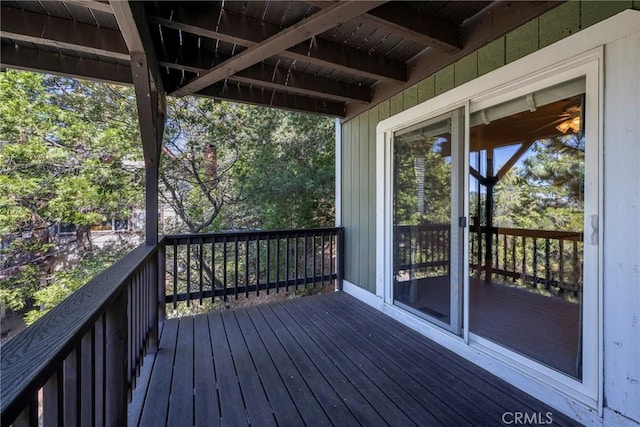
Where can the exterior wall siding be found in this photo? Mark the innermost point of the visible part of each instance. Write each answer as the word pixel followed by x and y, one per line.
pixel 359 134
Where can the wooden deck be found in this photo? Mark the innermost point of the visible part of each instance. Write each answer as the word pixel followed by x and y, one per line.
pixel 321 360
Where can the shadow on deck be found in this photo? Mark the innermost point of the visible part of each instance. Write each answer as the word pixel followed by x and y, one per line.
pixel 321 360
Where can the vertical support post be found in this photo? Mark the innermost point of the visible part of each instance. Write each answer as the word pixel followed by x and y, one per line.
pixel 340 259
pixel 156 298
pixel 151 204
pixel 489 217
pixel 116 362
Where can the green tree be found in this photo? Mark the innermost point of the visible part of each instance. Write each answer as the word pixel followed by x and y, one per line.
pixel 545 191
pixel 66 154
pixel 229 166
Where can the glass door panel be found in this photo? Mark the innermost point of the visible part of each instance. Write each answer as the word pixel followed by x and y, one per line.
pixel 526 198
pixel 425 178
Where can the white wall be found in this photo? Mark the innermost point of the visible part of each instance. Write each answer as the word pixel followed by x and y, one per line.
pixel 621 266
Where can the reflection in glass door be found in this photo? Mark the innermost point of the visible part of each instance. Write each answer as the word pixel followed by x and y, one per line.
pixel 526 198
pixel 426 239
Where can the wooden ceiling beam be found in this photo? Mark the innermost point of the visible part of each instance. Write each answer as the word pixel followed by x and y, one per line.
pixel 27 59
pixel 281 78
pixel 304 30
pixel 150 95
pixel 150 100
pixel 197 60
pixel 347 59
pixel 415 25
pixel 62 33
pixel 227 91
pixel 92 4
pixel 302 83
pixel 493 22
pixel 215 23
pixel 207 20
pixel 410 23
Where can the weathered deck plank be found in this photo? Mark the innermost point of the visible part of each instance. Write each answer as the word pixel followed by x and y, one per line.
pixel 284 408
pixel 207 408
pixel 231 403
pixel 333 365
pixel 154 409
pixel 181 397
pixel 323 360
pixel 309 408
pixel 328 399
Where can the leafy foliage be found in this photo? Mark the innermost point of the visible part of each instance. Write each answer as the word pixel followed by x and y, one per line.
pixel 66 282
pixel 230 166
pixel 70 153
pixel 546 191
pixel 66 151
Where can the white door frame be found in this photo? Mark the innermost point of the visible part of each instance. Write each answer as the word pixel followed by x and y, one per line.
pixel 458 256
pixel 501 85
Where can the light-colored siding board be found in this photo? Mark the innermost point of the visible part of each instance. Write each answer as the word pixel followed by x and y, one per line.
pixel 558 23
pixel 353 259
pixel 492 56
pixel 383 110
pixel 373 122
pixel 410 97
pixel 466 69
pixel 445 79
pixel 426 89
pixel 347 214
pixel 363 197
pixel 522 41
pixel 395 104
pixel 596 11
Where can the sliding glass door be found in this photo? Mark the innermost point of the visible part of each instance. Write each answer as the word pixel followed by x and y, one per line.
pixel 426 209
pixel 527 204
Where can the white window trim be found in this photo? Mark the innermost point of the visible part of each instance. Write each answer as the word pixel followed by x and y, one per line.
pixel 584 51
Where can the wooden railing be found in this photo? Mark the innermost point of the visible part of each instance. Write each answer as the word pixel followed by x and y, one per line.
pixel 78 364
pixel 549 258
pixel 552 259
pixel 422 247
pixel 202 267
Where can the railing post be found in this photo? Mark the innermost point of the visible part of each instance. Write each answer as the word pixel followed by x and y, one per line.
pixel 157 284
pixel 340 259
pixel 116 362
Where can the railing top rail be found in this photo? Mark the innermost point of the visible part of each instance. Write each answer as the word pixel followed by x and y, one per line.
pixel 543 234
pixel 171 239
pixel 31 357
pixel 426 227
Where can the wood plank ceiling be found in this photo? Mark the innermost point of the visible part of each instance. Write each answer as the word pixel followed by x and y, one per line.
pixel 324 57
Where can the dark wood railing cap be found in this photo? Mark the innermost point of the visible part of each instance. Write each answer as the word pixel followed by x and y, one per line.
pixel 30 358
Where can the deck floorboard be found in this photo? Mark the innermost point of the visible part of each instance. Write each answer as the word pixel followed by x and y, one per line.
pixel 321 360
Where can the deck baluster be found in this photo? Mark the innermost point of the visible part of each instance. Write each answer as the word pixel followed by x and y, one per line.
pixel 224 269
pixel 175 276
pixel 246 266
pixel 535 262
pixel 268 263
pixel 277 263
pixel 189 273
pixel 561 269
pixel 258 266
pixel 547 264
pixel 235 261
pixel 200 262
